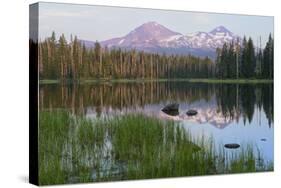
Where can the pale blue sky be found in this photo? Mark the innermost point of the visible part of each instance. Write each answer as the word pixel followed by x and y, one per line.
pixel 100 22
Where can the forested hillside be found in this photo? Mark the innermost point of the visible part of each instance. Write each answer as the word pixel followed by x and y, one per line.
pixel 245 61
pixel 63 60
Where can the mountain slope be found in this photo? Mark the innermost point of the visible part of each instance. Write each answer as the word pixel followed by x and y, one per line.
pixel 145 36
pixel 154 37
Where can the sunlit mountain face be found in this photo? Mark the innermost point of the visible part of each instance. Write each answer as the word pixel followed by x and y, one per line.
pixel 154 37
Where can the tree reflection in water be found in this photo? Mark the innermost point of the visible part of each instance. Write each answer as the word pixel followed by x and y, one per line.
pixel 226 102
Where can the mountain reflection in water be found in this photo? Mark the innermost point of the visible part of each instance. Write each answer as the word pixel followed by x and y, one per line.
pixel 230 101
pixel 230 113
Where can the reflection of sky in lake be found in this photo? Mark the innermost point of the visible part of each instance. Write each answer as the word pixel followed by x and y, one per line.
pixel 212 123
pixel 237 132
pixel 224 110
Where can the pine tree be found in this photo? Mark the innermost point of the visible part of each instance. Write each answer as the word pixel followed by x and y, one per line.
pixel 62 54
pixel 98 57
pixel 251 59
pixel 267 64
pixel 243 67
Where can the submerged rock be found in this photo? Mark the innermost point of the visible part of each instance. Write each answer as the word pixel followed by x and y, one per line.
pixel 191 112
pixel 232 146
pixel 171 109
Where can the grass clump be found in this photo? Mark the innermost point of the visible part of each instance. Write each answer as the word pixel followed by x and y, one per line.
pixel 69 147
pixel 74 149
pixel 53 134
pixel 153 148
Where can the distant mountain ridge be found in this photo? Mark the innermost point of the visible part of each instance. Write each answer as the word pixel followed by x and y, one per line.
pixel 156 38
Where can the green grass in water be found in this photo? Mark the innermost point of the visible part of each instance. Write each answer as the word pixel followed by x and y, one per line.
pixel 76 149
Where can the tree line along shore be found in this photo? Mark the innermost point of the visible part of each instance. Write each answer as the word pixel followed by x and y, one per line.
pixel 63 60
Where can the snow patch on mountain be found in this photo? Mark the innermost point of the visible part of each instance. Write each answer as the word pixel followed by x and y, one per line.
pixel 154 37
pixel 121 41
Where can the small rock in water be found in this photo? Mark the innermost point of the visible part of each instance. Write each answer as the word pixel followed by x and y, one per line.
pixel 171 109
pixel 232 146
pixel 191 112
pixel 172 112
pixel 263 139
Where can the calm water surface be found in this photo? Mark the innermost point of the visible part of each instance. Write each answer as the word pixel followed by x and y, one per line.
pixel 229 113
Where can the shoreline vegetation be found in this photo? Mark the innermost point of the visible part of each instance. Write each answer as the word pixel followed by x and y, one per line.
pixel 193 80
pixel 76 149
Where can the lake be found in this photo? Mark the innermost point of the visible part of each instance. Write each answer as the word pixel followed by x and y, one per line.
pixel 118 130
pixel 228 113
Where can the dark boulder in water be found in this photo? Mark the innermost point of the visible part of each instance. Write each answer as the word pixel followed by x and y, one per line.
pixel 232 146
pixel 191 112
pixel 171 109
pixel 171 113
pixel 263 139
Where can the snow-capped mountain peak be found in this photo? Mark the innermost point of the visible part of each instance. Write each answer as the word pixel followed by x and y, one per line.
pixel 152 29
pixel 221 30
pixel 146 35
pixel 154 37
